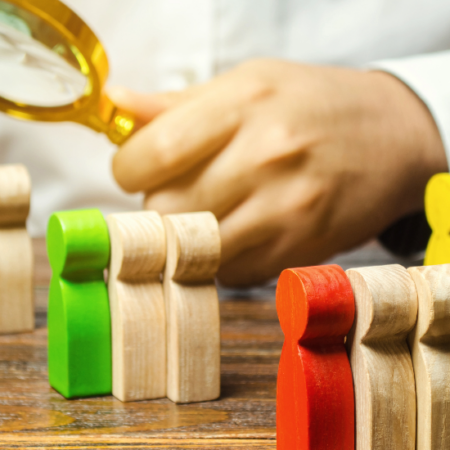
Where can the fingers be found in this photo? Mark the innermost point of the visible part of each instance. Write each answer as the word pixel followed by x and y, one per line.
pixel 252 267
pixel 249 226
pixel 218 185
pixel 257 251
pixel 145 106
pixel 288 207
pixel 188 195
pixel 186 129
pixel 175 142
pixel 262 263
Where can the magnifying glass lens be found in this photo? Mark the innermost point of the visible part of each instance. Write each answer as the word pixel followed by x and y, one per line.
pixel 53 69
pixel 38 67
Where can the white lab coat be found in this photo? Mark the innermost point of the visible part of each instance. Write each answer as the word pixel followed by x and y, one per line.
pixel 171 44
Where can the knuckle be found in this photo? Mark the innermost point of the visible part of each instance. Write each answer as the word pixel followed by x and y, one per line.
pixel 282 134
pixel 259 89
pixel 165 146
pixel 282 144
pixel 256 78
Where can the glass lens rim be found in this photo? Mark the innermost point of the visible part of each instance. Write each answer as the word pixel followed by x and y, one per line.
pixel 89 52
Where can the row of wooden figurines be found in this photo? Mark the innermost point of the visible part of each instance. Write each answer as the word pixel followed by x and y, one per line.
pixel 388 386
pixel 133 276
pixel 366 358
pixel 154 329
pixel 135 338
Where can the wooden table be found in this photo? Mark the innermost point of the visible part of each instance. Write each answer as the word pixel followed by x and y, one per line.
pixel 32 415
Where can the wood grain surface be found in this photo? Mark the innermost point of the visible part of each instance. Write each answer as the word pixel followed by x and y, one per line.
pixel 430 345
pixel 383 377
pixel 32 415
pixel 192 307
pixel 16 254
pixel 15 191
pixel 138 319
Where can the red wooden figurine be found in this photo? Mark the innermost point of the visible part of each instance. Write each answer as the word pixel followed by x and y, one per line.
pixel 315 401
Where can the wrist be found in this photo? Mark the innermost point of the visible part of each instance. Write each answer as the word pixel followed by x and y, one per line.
pixel 416 141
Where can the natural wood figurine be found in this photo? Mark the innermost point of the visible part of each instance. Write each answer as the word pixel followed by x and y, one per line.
pixel 79 325
pixel 16 253
pixel 315 406
pixel 430 347
pixel 437 207
pixel 383 377
pixel 138 319
pixel 192 307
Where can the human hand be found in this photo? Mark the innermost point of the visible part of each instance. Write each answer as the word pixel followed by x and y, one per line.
pixel 297 162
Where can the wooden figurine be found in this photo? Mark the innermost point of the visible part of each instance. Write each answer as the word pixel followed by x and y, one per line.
pixel 383 377
pixel 437 207
pixel 192 307
pixel 315 406
pixel 430 347
pixel 79 326
pixel 16 252
pixel 138 319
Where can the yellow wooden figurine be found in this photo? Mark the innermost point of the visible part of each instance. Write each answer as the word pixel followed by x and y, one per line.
pixel 437 207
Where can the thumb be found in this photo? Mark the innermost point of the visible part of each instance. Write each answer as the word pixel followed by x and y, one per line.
pixel 145 107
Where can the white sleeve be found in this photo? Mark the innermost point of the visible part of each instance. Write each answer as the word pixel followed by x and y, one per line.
pixel 429 77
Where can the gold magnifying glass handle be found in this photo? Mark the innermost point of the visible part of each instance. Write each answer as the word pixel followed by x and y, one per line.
pixel 116 123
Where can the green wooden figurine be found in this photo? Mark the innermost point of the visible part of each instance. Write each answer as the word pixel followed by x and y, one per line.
pixel 79 324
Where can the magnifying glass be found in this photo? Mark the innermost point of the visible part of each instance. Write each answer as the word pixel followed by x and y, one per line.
pixel 53 68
